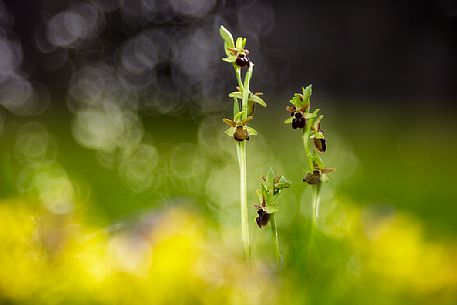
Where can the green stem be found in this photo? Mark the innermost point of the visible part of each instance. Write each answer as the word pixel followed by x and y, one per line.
pixel 309 156
pixel 241 153
pixel 242 161
pixel 316 203
pixel 274 232
pixel 315 188
pixel 247 79
pixel 236 106
pixel 238 78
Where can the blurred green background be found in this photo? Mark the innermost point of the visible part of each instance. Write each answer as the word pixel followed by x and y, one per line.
pixel 158 220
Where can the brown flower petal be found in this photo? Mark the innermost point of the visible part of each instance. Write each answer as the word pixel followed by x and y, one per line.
pixel 229 122
pixel 313 178
pixel 320 144
pixel 327 170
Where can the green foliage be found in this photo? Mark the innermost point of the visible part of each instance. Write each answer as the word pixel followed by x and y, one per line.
pixel 270 188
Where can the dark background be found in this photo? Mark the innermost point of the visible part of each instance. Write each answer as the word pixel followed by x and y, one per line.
pixel 353 49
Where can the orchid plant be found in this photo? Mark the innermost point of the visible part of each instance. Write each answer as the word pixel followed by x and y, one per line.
pixel 243 113
pixel 301 117
pixel 270 188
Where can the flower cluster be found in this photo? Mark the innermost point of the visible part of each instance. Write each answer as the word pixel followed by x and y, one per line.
pixel 270 188
pixel 236 53
pixel 310 122
pixel 299 112
pixel 243 99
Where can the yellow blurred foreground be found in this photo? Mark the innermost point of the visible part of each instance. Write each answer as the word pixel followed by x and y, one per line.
pixel 173 256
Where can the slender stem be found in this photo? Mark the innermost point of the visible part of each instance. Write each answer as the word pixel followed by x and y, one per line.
pixel 238 78
pixel 247 79
pixel 236 106
pixel 315 188
pixel 241 153
pixel 274 232
pixel 316 203
pixel 242 161
pixel 306 145
pixel 312 234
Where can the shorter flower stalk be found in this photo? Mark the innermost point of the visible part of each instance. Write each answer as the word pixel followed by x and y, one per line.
pixel 270 188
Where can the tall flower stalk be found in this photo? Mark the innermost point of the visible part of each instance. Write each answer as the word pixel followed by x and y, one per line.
pixel 243 109
pixel 301 117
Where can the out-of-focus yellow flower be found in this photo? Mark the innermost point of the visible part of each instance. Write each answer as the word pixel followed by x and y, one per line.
pixel 20 266
pixel 172 256
pixel 399 253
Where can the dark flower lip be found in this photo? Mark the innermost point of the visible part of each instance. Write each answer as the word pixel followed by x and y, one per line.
pixel 242 61
pixel 263 218
pixel 241 134
pixel 320 144
pixel 298 122
pixel 313 178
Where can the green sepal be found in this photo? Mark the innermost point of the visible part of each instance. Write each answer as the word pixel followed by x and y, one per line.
pixel 227 37
pixel 306 106
pixel 236 107
pixel 268 195
pixel 258 100
pixel 230 59
pixel 282 183
pixel 270 180
pixel 288 120
pixel 269 198
pixel 260 196
pixel 238 116
pixel 319 135
pixel 244 43
pixel 307 93
pixel 317 159
pixel 230 131
pixel 251 131
pixel 239 43
pixel 237 94
pixel 271 209
pixel 317 121
pixel 296 101
pixel 311 115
